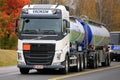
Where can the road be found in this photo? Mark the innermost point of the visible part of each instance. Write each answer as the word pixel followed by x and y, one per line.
pixel 102 73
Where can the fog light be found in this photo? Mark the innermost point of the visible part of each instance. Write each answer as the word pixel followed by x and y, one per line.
pixel 58 54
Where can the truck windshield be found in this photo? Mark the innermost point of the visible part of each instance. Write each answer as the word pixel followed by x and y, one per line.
pixel 43 26
pixel 115 38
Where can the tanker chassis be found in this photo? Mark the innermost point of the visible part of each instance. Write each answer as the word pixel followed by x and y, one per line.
pixel 48 38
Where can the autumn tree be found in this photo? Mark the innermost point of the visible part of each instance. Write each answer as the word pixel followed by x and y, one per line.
pixel 115 26
pixel 88 8
pixel 105 11
pixel 40 1
pixel 9 11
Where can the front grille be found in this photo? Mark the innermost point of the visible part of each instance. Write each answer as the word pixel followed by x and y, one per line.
pixel 40 54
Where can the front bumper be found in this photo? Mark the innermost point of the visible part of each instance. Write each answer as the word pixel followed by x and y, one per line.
pixel 43 66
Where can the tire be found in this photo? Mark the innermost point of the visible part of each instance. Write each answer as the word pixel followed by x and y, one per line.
pixel 81 63
pixel 77 68
pixel 85 61
pixel 97 62
pixel 93 64
pixel 66 64
pixel 111 56
pixel 24 71
pixel 104 63
pixel 107 61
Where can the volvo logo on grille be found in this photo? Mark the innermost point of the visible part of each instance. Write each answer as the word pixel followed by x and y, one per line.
pixel 39 37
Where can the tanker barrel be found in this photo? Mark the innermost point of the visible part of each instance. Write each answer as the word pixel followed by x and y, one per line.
pixel 92 32
pixel 76 31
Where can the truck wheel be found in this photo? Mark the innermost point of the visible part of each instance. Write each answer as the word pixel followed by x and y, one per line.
pixel 108 60
pixel 93 63
pixel 85 61
pixel 66 69
pixel 77 68
pixel 24 71
pixel 111 56
pixel 81 63
pixel 97 63
pixel 105 63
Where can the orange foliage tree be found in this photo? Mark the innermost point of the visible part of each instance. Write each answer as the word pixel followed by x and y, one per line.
pixel 9 11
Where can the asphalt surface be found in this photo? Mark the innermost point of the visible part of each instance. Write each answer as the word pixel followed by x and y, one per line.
pixel 101 73
pixel 113 74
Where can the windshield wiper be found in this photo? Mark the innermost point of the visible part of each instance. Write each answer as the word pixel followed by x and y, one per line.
pixel 38 32
pixel 29 32
pixel 49 32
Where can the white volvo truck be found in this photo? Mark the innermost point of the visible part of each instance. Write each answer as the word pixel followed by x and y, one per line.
pixel 48 38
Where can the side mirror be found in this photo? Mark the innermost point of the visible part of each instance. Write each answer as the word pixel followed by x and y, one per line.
pixel 66 26
pixel 68 30
pixel 16 26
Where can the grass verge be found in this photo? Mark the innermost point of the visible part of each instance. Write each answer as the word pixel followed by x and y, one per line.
pixel 8 57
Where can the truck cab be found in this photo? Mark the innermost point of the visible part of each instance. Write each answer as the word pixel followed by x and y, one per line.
pixel 43 37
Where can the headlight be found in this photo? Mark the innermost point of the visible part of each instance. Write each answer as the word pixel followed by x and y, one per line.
pixel 58 55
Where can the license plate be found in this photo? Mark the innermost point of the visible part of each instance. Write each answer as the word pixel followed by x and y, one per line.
pixel 38 67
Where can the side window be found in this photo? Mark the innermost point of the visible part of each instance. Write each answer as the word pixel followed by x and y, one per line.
pixel 21 25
